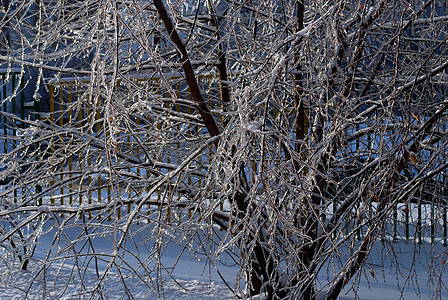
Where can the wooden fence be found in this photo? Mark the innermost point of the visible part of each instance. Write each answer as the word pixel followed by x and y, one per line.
pixel 64 108
pixel 12 97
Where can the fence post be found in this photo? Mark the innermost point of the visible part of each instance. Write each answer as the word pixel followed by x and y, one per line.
pixel 14 132
pixel 5 109
pixel 35 116
pixel 52 182
pixel 61 124
pixel 432 224
pixel 406 215
pixel 419 222
pixel 70 159
pixel 395 221
pixel 81 160
pixel 98 129
pixel 445 241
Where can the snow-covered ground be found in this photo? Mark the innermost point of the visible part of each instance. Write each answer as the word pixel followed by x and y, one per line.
pixel 406 278
pixel 194 279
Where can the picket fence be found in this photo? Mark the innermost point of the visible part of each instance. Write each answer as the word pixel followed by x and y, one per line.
pixel 430 219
